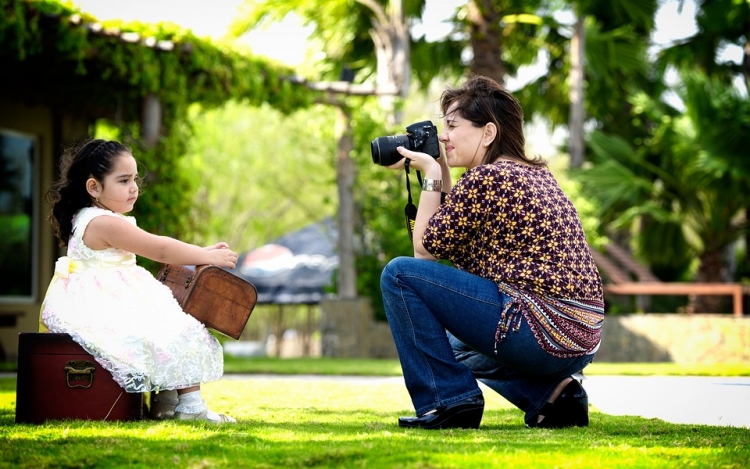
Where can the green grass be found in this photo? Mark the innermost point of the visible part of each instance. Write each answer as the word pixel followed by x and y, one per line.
pixel 377 367
pixel 373 367
pixel 287 422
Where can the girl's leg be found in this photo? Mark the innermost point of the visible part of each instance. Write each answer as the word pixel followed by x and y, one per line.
pixel 191 406
pixel 190 389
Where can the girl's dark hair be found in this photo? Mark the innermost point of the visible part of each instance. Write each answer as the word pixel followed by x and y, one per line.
pixel 481 100
pixel 92 159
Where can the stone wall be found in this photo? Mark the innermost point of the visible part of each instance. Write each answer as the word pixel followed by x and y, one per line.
pixel 348 330
pixel 678 338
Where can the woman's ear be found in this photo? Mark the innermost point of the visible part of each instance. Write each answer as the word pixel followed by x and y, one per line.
pixel 490 133
pixel 93 187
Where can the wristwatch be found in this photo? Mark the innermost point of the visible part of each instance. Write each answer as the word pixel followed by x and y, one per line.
pixel 432 185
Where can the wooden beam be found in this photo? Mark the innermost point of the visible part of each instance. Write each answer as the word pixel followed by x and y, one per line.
pixel 736 290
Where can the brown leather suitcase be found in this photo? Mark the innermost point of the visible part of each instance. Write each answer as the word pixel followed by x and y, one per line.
pixel 215 297
pixel 58 380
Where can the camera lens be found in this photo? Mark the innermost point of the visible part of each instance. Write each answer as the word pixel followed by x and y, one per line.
pixel 384 151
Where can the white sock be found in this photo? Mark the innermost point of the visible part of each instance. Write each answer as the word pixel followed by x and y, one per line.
pixel 190 403
pixel 193 403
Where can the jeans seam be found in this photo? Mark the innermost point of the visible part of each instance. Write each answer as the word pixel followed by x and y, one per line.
pixel 448 287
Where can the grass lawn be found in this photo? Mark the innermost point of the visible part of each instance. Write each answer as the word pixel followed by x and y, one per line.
pixel 288 422
pixel 374 367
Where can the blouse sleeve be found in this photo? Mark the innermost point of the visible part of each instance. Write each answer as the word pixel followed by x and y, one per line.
pixel 457 220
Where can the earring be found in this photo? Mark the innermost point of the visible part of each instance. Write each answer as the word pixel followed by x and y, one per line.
pixel 486 145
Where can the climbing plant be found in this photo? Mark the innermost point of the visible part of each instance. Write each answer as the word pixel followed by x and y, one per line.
pixel 52 53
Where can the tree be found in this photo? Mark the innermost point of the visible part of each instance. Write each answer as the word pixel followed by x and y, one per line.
pixel 681 186
pixel 720 23
pixel 371 38
pixel 273 176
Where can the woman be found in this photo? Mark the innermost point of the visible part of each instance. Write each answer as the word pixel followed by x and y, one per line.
pixel 523 310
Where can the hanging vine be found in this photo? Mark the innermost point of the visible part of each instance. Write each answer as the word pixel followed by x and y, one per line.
pixel 55 55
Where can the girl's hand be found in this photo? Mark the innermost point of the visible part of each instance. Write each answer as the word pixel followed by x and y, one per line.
pixel 221 245
pixel 223 256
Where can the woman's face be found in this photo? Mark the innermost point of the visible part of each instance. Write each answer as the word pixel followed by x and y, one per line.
pixel 463 141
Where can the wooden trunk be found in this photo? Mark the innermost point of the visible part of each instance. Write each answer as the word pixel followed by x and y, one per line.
pixel 59 380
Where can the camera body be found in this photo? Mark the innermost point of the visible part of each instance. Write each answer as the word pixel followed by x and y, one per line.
pixel 420 136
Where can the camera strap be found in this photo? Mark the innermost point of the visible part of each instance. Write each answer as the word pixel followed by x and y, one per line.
pixel 410 210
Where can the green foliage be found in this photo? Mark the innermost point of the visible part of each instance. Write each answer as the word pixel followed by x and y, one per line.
pixel 380 196
pixel 686 184
pixel 341 29
pixel 391 367
pixel 616 35
pixel 260 173
pixel 96 71
pixel 587 206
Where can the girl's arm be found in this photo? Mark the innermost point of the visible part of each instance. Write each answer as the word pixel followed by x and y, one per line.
pixel 106 231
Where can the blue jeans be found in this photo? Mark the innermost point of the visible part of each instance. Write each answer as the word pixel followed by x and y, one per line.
pixel 443 322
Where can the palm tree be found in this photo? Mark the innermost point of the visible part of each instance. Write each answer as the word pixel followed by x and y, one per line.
pixel 720 23
pixel 614 38
pixel 681 186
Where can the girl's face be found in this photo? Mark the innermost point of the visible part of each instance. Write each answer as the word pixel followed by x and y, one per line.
pixel 463 141
pixel 120 190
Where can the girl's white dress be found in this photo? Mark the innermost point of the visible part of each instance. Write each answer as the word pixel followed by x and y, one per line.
pixel 128 320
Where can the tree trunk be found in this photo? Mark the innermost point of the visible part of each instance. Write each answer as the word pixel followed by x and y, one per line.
pixel 390 34
pixel 486 40
pixel 746 74
pixel 151 120
pixel 710 270
pixel 746 62
pixel 575 124
pixel 347 278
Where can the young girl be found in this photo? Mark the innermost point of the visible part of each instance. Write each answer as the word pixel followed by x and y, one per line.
pixel 116 310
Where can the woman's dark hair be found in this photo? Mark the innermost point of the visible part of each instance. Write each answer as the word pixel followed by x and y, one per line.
pixel 93 159
pixel 481 100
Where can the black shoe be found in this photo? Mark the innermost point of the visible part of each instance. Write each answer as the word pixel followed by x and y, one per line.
pixel 570 409
pixel 462 414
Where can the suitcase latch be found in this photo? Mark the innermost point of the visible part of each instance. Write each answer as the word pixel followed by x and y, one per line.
pixel 79 373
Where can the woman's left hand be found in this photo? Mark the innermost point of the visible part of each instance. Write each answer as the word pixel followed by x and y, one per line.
pixel 422 162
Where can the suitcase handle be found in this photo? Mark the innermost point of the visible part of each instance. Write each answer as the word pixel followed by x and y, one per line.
pixel 78 373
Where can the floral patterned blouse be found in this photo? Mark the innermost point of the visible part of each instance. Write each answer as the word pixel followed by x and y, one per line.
pixel 511 223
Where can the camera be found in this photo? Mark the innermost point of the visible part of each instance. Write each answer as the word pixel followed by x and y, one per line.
pixel 421 136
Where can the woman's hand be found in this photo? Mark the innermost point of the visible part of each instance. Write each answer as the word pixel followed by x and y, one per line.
pixel 422 162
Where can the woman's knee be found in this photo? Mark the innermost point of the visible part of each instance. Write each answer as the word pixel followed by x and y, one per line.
pixel 394 267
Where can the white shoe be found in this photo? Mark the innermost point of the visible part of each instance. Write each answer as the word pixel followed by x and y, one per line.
pixel 203 416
